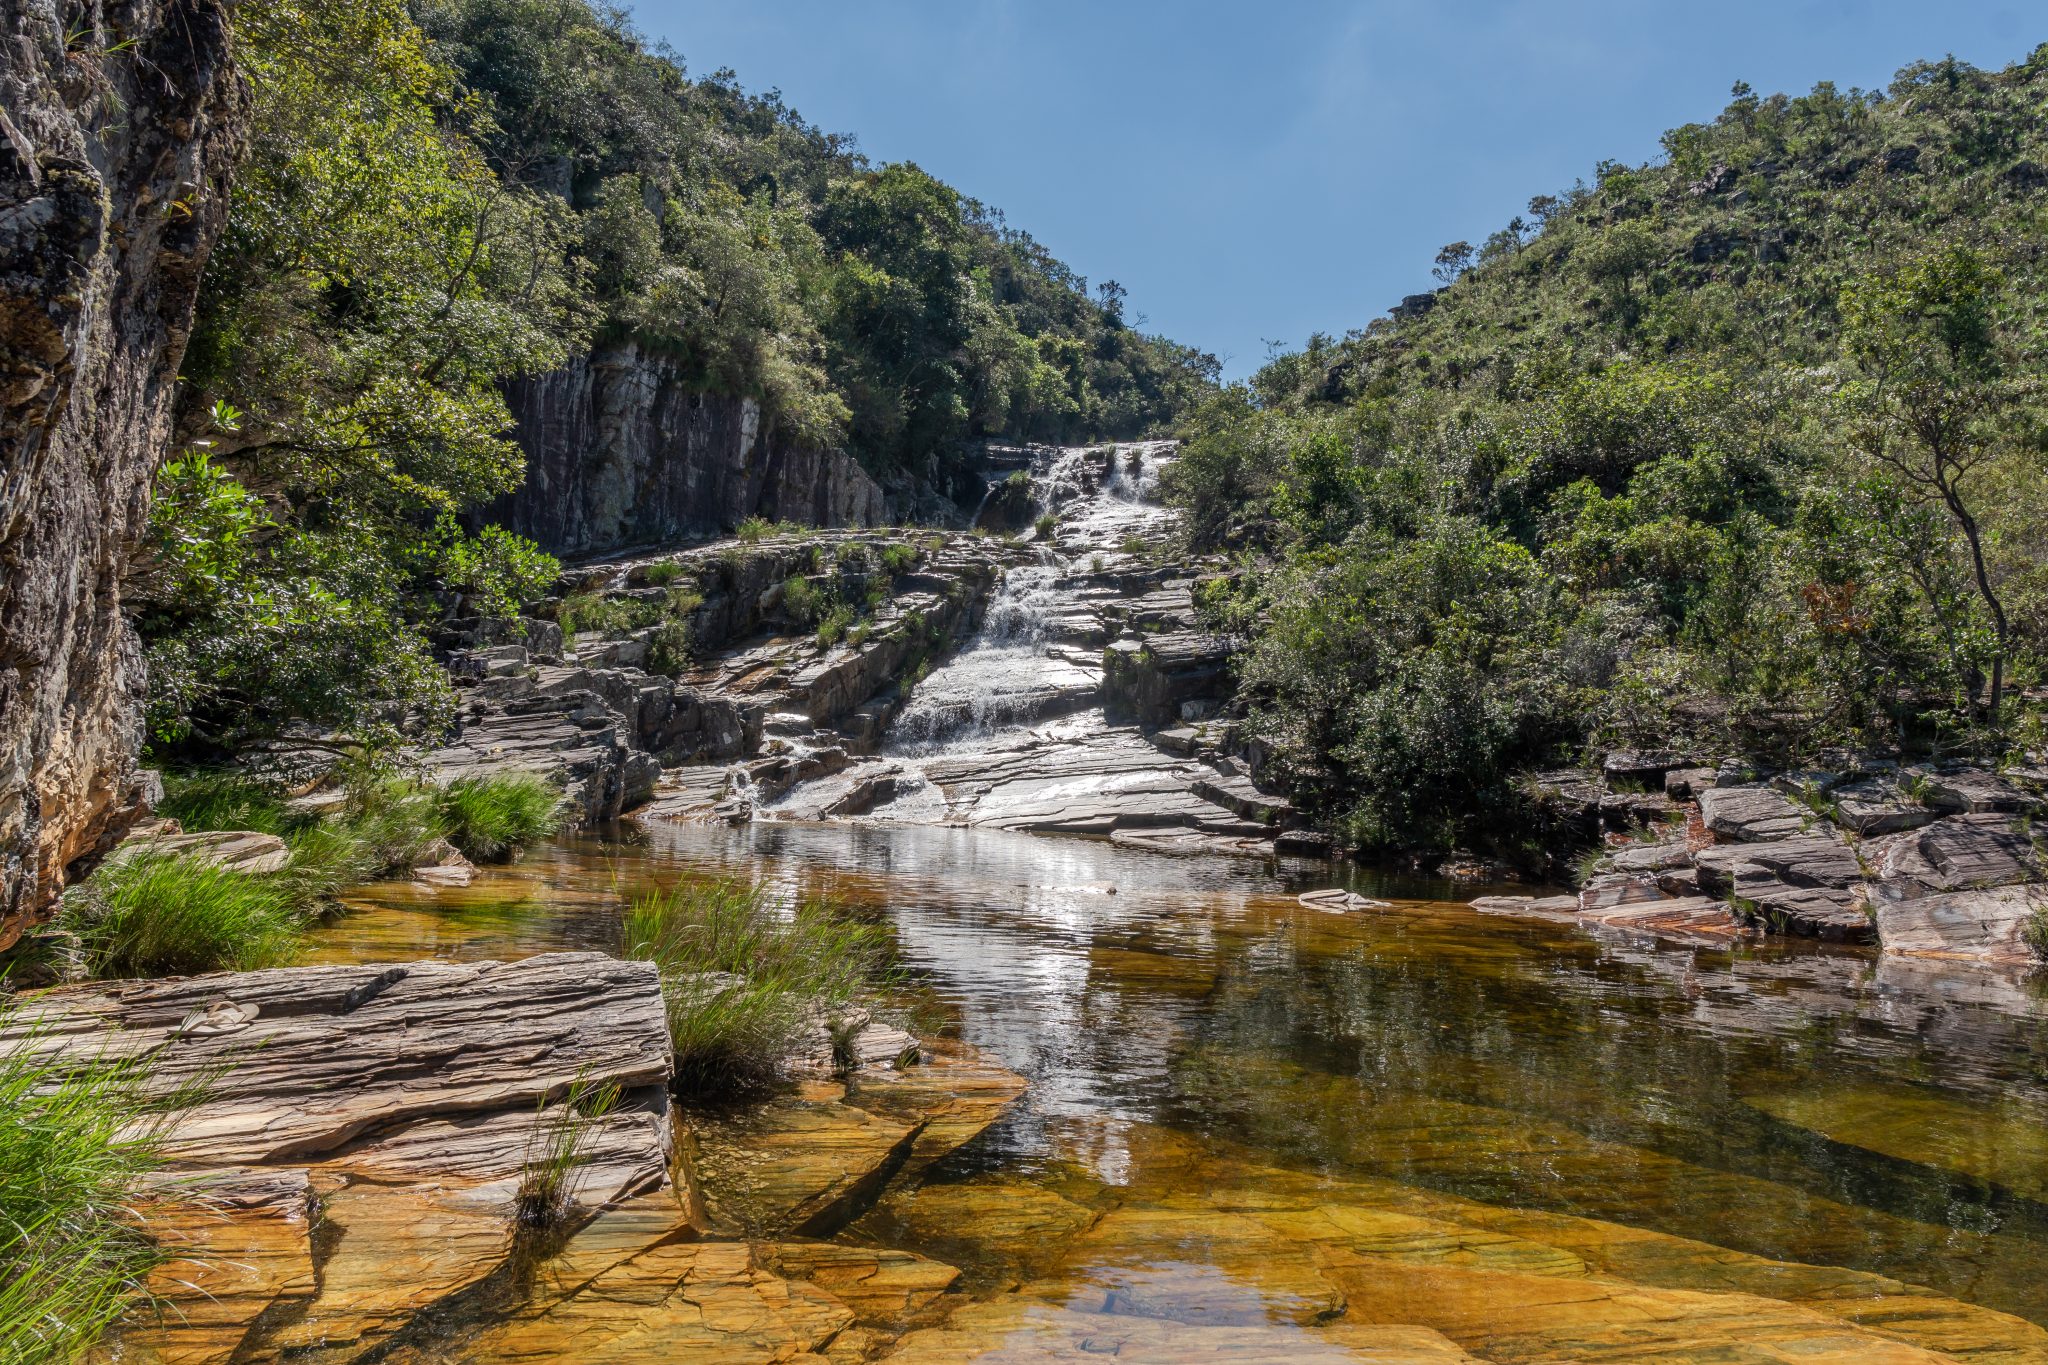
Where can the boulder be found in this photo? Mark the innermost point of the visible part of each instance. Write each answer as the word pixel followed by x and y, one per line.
pixel 1685 784
pixel 1992 926
pixel 235 850
pixel 1973 790
pixel 1750 813
pixel 1877 805
pixel 1960 853
pixel 1338 901
pixel 301 1061
pixel 1644 768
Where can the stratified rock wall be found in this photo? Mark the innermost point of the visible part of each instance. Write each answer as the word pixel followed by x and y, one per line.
pixel 117 122
pixel 621 451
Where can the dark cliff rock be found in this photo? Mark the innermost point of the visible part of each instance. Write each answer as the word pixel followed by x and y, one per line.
pixel 621 451
pixel 115 131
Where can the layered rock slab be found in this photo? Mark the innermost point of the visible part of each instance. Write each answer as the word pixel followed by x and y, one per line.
pixel 300 1060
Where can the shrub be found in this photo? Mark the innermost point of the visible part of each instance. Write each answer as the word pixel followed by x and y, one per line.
pixel 492 816
pixel 1045 524
pixel 743 977
pixel 71 1155
pixel 662 574
pixel 593 613
pixel 669 651
pixel 159 914
pixel 804 602
pixel 753 529
pixel 835 625
pixel 898 559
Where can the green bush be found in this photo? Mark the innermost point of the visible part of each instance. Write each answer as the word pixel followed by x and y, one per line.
pixel 835 625
pixel 898 559
pixel 662 574
pixel 493 816
pixel 72 1154
pixel 804 602
pixel 753 529
pixel 1045 525
pixel 159 914
pixel 744 978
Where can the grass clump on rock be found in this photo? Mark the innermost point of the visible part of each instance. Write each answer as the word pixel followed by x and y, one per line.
pixel 159 914
pixel 554 1150
pixel 744 978
pixel 491 817
pixel 71 1154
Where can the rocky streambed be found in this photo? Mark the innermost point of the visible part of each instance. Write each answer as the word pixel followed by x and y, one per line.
pixel 1166 1105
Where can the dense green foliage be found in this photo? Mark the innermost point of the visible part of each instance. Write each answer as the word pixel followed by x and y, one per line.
pixel 443 195
pixel 74 1143
pixel 1733 452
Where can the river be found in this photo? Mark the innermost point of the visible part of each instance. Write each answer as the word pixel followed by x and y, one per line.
pixel 1258 1131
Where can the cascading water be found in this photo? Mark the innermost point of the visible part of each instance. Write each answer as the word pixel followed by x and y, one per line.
pixel 1033 672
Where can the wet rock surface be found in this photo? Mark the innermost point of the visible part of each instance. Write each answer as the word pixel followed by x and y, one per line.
pixel 349 1184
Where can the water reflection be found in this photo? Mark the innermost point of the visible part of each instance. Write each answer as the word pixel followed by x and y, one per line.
pixel 1796 1105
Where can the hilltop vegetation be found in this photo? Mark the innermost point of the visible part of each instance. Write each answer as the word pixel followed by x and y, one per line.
pixel 1737 452
pixel 441 196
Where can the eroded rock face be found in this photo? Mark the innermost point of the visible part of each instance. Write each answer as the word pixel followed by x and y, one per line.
pixel 620 451
pixel 113 143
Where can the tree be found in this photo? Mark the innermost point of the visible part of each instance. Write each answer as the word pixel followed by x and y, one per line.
pixel 1926 339
pixel 1452 261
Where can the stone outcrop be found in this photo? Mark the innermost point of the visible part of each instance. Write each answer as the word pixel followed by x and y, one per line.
pixel 116 130
pixel 1927 861
pixel 622 450
pixel 351 1181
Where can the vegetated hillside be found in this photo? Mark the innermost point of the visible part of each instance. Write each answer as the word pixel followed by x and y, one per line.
pixel 1738 452
pixel 442 196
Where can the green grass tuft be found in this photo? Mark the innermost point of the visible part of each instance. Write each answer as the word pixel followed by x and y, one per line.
pixel 71 1155
pixel 492 817
pixel 157 914
pixel 662 574
pixel 742 976
pixel 554 1149
pixel 215 800
pixel 753 529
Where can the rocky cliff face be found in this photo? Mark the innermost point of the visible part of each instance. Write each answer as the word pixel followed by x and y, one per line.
pixel 117 120
pixel 620 451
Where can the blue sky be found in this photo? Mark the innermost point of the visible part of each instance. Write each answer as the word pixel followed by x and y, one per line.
pixel 1258 172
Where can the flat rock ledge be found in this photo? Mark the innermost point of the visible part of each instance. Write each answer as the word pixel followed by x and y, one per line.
pixel 347 1186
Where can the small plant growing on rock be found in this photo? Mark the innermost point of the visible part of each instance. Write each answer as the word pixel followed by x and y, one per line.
pixel 898 559
pixel 2035 931
pixel 554 1149
pixel 835 625
pixel 1045 524
pixel 753 530
pixel 662 574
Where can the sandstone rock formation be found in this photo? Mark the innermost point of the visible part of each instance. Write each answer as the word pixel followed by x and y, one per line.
pixel 115 133
pixel 621 450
